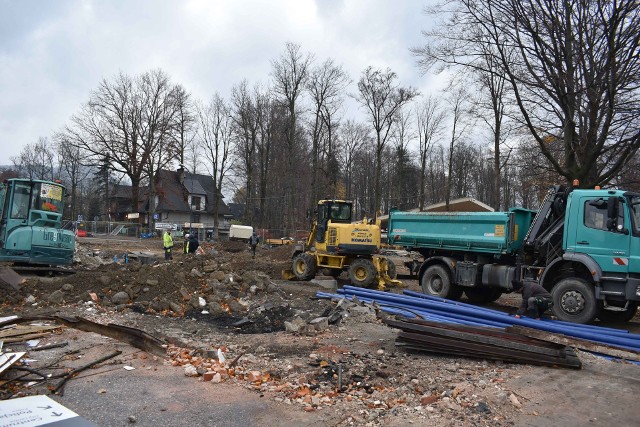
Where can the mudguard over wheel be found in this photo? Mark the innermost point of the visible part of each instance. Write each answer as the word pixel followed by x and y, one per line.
pixel 574 300
pixel 304 266
pixel 619 316
pixel 437 282
pixel 482 295
pixel 362 272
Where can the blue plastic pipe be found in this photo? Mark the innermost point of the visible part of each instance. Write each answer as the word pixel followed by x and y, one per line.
pixel 484 315
pixel 448 301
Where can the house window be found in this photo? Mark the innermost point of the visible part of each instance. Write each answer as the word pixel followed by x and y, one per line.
pixel 196 203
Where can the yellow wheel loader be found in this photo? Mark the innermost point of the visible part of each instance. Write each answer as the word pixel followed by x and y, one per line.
pixel 336 244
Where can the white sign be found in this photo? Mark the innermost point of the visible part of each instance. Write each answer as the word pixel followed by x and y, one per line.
pixel 38 411
pixel 134 215
pixel 166 226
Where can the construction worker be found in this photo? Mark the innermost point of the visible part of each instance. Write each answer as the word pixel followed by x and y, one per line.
pixel 253 242
pixel 535 299
pixel 192 244
pixel 167 243
pixel 185 244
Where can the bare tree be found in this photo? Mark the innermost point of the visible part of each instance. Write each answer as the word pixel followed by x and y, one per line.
pixel 215 137
pixel 127 126
pixel 382 97
pixel 429 118
pixel 573 68
pixel 457 101
pixel 160 105
pixel 290 72
pixel 184 128
pixel 353 136
pixel 35 161
pixel 326 84
pixel 245 126
pixel 70 160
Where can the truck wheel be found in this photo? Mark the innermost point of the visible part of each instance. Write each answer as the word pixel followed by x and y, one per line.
pixel 436 281
pixel 482 295
pixel 619 316
pixel 304 266
pixel 574 300
pixel 362 272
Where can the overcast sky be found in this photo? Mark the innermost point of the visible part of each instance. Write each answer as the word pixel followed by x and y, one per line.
pixel 54 53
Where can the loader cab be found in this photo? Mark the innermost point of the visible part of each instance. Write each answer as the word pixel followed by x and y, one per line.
pixel 336 211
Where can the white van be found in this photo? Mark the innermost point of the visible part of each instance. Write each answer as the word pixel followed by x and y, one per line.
pixel 240 232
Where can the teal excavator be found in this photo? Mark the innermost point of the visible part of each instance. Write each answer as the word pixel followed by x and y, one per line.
pixel 31 233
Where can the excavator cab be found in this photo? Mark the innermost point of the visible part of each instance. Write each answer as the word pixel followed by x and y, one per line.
pixel 31 221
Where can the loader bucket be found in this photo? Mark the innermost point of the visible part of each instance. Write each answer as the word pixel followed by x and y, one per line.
pixel 383 278
pixel 288 275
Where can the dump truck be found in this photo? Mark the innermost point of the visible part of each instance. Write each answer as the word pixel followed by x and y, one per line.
pixel 336 244
pixel 582 245
pixel 31 233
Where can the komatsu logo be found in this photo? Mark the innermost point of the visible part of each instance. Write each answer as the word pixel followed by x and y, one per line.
pixel 362 240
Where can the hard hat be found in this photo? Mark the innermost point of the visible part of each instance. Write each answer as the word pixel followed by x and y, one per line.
pixel 186 236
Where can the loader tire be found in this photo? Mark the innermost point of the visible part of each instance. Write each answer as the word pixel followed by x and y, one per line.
pixel 304 266
pixel 436 282
pixel 482 295
pixel 574 300
pixel 362 272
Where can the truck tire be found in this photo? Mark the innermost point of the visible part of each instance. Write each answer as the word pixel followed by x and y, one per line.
pixel 619 316
pixel 574 300
pixel 362 272
pixel 482 295
pixel 304 266
pixel 436 282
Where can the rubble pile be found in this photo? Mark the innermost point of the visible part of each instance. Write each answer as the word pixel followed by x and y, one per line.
pixel 367 385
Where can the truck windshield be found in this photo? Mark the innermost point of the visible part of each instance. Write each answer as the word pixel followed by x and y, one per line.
pixel 634 204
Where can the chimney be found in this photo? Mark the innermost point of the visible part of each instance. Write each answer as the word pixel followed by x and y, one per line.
pixel 181 174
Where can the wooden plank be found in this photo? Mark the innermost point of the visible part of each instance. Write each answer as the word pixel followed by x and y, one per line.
pixel 26 329
pixel 472 348
pixel 576 342
pixel 27 337
pixel 504 340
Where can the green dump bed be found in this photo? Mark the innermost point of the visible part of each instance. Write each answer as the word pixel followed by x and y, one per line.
pixel 484 232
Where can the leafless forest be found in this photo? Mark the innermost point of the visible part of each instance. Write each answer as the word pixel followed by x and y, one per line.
pixel 540 92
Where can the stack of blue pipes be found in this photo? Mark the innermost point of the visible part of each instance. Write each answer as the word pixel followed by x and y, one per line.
pixel 414 304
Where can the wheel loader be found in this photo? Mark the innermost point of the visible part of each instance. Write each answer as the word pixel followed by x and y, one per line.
pixel 336 244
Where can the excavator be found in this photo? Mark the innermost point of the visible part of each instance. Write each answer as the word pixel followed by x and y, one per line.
pixel 337 244
pixel 31 234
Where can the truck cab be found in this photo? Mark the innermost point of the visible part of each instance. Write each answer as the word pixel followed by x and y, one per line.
pixel 31 221
pixel 600 263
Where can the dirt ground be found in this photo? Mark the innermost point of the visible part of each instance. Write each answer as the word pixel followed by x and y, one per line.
pixel 278 369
